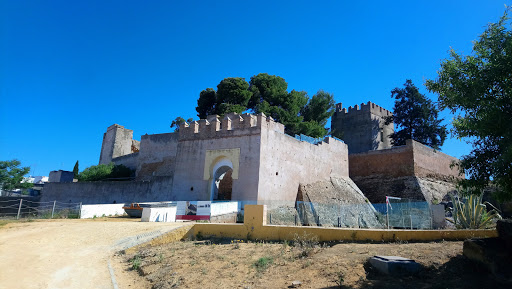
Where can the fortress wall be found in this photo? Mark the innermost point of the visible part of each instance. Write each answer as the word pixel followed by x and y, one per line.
pixel 393 162
pixel 286 162
pixel 189 177
pixel 157 155
pixel 235 132
pixel 431 163
pixel 158 189
pixel 360 127
pixel 131 160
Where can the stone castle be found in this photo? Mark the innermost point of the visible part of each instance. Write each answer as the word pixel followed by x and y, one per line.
pixel 250 158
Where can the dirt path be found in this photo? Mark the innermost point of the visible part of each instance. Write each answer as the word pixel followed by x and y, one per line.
pixel 68 253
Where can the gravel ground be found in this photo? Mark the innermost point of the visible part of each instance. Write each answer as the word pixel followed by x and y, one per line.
pixel 69 253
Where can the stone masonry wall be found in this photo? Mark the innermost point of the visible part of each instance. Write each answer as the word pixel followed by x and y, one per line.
pixel 413 171
pixel 157 155
pixel 362 128
pixel 395 162
pixel 158 189
pixel 286 162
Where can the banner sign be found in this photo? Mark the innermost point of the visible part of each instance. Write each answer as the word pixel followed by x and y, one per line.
pixel 193 210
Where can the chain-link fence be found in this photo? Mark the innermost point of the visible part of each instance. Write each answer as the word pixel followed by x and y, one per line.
pixel 24 208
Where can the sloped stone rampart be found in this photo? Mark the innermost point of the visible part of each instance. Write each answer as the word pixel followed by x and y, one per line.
pixel 336 202
pixel 376 188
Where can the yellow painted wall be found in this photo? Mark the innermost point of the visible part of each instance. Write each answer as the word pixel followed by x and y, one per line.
pixel 255 228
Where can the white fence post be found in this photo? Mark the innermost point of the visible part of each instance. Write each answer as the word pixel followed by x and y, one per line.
pixel 53 210
pixel 80 211
pixel 19 210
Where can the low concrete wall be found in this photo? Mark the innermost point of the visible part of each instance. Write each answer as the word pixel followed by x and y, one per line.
pixel 91 211
pixel 255 228
pixel 159 214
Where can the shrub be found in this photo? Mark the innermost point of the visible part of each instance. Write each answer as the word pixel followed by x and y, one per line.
pixel 472 214
pixel 103 172
pixel 263 263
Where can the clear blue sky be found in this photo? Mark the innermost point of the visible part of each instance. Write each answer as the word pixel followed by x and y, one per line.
pixel 70 69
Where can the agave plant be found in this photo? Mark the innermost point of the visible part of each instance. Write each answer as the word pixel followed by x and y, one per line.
pixel 472 214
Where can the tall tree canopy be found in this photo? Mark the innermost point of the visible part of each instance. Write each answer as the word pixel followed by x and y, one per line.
pixel 416 117
pixel 269 94
pixel 75 170
pixel 478 89
pixel 11 175
pixel 232 95
pixel 176 123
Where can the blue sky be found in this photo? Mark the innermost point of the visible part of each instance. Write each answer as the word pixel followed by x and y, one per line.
pixel 70 69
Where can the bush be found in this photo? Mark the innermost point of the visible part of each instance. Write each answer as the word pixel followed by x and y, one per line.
pixel 472 214
pixel 104 172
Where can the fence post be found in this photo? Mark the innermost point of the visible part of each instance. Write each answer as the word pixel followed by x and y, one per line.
pixel 339 222
pixel 19 210
pixel 53 209
pixel 80 211
pixel 387 215
pixel 296 217
pixel 410 216
pixel 270 218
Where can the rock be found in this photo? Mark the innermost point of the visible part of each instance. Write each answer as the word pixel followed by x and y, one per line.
pixel 337 202
pixel 492 254
pixel 296 284
pixel 394 265
pixel 504 228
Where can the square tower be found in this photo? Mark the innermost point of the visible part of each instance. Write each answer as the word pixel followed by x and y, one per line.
pixel 363 127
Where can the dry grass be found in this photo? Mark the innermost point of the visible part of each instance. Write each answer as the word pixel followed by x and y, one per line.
pixel 226 264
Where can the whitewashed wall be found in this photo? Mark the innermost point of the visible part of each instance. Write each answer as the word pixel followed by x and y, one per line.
pixel 89 211
pixel 159 214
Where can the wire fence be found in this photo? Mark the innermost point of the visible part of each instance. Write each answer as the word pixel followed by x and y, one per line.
pixel 396 213
pixel 24 208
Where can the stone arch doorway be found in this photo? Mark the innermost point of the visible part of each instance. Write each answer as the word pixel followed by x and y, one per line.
pixel 221 183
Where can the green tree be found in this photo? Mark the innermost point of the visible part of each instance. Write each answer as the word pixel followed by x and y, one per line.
pixel 176 123
pixel 416 117
pixel 268 94
pixel 104 172
pixel 232 95
pixel 270 97
pixel 478 89
pixel 206 103
pixel 75 170
pixel 316 113
pixel 11 175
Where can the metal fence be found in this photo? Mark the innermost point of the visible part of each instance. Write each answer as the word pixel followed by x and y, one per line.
pixel 408 213
pixel 23 208
pixel 397 213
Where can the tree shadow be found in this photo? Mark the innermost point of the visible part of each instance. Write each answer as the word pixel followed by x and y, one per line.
pixel 458 272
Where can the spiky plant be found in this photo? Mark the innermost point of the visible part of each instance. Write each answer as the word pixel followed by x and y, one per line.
pixel 472 214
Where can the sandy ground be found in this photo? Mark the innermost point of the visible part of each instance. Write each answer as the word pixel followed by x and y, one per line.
pixel 67 253
pixel 223 264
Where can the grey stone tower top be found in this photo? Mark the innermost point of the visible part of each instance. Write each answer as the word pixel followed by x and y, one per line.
pixel 363 127
pixel 117 141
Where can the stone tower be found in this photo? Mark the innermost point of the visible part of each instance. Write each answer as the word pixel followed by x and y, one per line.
pixel 363 127
pixel 117 141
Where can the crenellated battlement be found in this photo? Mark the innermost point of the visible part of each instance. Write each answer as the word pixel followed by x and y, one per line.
pixel 232 124
pixel 364 107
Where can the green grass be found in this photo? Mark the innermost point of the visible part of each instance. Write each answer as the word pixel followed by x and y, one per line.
pixel 263 263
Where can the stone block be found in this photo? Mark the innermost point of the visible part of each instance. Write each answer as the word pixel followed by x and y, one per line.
pixel 504 228
pixel 492 253
pixel 394 265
